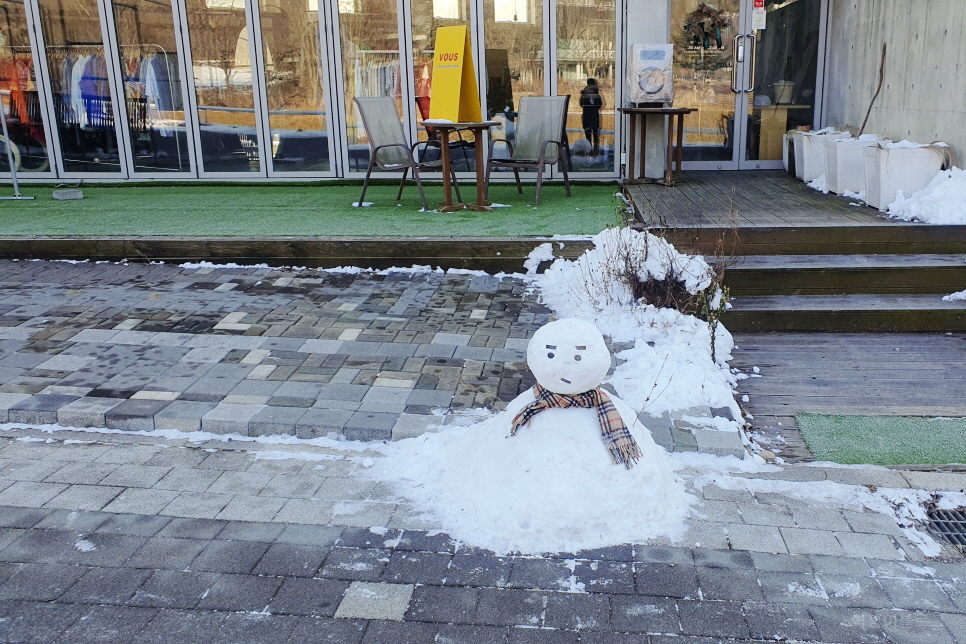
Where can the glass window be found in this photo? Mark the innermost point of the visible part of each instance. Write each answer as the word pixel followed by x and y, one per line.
pixel 296 99
pixel 370 54
pixel 585 70
pixel 80 87
pixel 18 91
pixel 152 85
pixel 514 60
pixel 222 69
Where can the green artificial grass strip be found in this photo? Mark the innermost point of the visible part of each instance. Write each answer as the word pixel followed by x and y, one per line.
pixel 254 210
pixel 884 440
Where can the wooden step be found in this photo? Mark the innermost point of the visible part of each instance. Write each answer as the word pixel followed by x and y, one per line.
pixel 882 239
pixel 844 274
pixel 846 314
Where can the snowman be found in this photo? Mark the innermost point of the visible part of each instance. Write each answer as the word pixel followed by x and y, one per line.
pixel 565 467
pixel 569 359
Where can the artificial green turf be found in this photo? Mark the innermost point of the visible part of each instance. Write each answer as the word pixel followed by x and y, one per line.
pixel 253 210
pixel 884 440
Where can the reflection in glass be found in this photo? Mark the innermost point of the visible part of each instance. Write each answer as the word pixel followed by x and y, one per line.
pixel 370 53
pixel 79 82
pixel 787 58
pixel 152 85
pixel 585 50
pixel 514 59
pixel 429 15
pixel 223 84
pixel 702 75
pixel 18 91
pixel 296 101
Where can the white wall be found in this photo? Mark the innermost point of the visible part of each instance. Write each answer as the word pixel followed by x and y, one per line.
pixel 649 21
pixel 923 95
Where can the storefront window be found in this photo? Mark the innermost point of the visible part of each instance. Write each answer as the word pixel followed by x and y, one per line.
pixel 585 70
pixel 79 83
pixel 296 99
pixel 370 54
pixel 152 85
pixel 514 59
pixel 222 69
pixel 18 91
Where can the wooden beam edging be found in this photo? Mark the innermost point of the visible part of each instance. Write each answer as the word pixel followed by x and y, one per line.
pixel 493 254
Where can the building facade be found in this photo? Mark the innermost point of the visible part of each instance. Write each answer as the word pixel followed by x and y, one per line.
pixel 254 90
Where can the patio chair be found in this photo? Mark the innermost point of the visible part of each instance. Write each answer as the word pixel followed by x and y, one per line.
pixel 540 140
pixel 388 148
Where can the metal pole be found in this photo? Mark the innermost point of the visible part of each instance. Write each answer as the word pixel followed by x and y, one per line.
pixel 10 161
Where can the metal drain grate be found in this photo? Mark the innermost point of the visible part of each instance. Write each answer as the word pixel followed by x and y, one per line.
pixel 950 524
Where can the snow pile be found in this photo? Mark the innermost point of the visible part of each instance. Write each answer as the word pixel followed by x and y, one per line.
pixel 943 201
pixel 550 488
pixel 669 367
pixel 819 183
pixel 953 297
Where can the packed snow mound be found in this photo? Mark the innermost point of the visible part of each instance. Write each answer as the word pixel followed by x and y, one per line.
pixel 593 284
pixel 943 201
pixel 550 488
pixel 669 367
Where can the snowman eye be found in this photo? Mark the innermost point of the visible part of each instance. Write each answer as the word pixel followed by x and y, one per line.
pixel 577 357
pixel 550 355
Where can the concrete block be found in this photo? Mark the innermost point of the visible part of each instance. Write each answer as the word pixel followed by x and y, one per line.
pixel 719 443
pixel 366 600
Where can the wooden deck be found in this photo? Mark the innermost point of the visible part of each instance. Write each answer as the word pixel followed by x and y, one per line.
pixel 752 199
pixel 865 374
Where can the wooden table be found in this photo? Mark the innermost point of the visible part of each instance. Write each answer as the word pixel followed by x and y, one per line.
pixel 444 130
pixel 636 118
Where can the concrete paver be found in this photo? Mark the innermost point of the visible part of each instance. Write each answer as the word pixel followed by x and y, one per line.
pixel 145 539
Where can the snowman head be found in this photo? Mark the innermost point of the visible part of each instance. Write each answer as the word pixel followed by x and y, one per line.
pixel 568 356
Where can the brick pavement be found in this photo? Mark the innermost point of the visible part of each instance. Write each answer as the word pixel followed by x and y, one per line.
pixel 261 351
pixel 132 538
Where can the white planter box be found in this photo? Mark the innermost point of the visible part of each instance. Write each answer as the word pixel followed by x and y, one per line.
pixel 845 164
pixel 813 153
pixel 888 170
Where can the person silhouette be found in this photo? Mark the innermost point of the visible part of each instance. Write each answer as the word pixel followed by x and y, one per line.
pixel 591 101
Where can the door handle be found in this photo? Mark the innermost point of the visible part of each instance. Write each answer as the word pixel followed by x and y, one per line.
pixel 754 61
pixel 737 56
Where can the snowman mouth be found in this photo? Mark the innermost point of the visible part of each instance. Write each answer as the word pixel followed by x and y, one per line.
pixel 567 381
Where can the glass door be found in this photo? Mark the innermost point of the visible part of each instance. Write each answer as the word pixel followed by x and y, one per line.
pixel 84 95
pixel 294 67
pixel 757 59
pixel 20 95
pixel 778 83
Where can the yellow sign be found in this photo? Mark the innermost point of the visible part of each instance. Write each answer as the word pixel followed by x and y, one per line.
pixel 455 97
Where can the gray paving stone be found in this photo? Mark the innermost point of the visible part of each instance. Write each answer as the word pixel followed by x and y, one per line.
pixel 780 622
pixel 107 586
pixel 365 600
pixel 40 409
pixel 345 392
pixel 510 607
pixel 876 546
pixel 666 580
pixel 917 594
pixel 229 419
pixel 837 624
pixel 183 415
pixel 811 542
pixel 275 420
pixel 241 593
pixel 713 619
pixel 134 415
pixel 85 412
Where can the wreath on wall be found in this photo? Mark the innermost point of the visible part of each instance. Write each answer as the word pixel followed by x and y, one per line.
pixel 704 26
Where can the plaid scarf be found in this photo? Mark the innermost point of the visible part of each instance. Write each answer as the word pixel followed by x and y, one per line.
pixel 617 438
